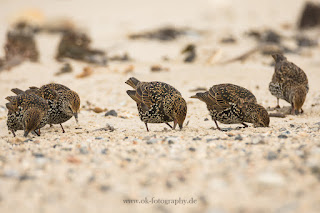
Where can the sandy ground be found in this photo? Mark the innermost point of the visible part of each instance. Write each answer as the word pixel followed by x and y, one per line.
pixel 275 169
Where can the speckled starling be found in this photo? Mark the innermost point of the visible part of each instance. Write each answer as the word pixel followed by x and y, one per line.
pixel 231 104
pixel 63 102
pixel 21 43
pixel 26 112
pixel 289 82
pixel 158 102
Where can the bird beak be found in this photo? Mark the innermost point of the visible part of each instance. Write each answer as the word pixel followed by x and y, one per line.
pixel 76 116
pixel 180 126
pixel 194 96
pixel 174 124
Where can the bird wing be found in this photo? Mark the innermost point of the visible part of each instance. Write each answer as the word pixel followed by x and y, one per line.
pixel 218 101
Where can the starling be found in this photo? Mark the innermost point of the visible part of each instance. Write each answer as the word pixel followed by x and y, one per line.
pixel 231 104
pixel 21 43
pixel 289 82
pixel 158 102
pixel 26 112
pixel 76 45
pixel 63 102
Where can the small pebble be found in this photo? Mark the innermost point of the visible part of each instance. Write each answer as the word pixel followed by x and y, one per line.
pixel 197 139
pixel 104 188
pixel 38 155
pixel 282 136
pixel 25 177
pixel 111 113
pixel 99 138
pixel 192 149
pixel 258 140
pixel 238 138
pixel 104 151
pixel 272 155
pixel 152 141
pixel 84 150
pixel 292 125
pixel 212 139
pixel 206 119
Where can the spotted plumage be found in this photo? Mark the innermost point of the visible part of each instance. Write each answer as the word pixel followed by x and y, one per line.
pixel 63 102
pixel 158 102
pixel 232 104
pixel 289 82
pixel 26 112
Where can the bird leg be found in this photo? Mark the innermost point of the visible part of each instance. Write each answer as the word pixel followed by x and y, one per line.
pixel 278 106
pixel 217 125
pixel 14 134
pixel 147 127
pixel 245 125
pixel 36 132
pixel 169 125
pixel 62 128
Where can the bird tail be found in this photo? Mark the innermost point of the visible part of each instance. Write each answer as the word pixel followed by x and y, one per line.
pixel 17 91
pixel 132 94
pixel 133 82
pixel 11 99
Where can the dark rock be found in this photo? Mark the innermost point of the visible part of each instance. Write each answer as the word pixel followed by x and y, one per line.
pixel 206 119
pixel 152 141
pixel 271 37
pixel 26 177
pixel 111 113
pixel 84 150
pixel 192 149
pixel 38 155
pixel 66 68
pixel 272 155
pixel 292 125
pixel 170 142
pixel 212 139
pixel 190 51
pixel 310 16
pixel 162 34
pixel 104 188
pixel 282 136
pixel 238 138
pixel 98 138
pixel 228 40
pixel 304 41
pixel 197 139
pixel 104 151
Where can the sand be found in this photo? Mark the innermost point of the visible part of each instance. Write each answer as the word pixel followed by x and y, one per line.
pixel 94 168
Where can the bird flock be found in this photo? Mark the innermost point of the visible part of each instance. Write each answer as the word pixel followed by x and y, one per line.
pixel 159 102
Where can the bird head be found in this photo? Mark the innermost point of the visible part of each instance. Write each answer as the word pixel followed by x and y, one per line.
pixel 297 97
pixel 179 111
pixel 71 103
pixel 256 114
pixel 31 120
pixel 278 57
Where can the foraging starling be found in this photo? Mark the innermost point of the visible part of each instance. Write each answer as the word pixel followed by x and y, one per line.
pixel 21 43
pixel 158 102
pixel 231 104
pixel 63 102
pixel 76 45
pixel 289 82
pixel 26 112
